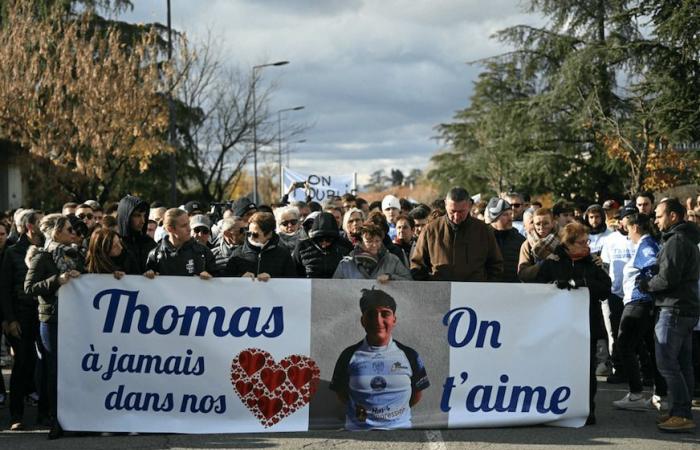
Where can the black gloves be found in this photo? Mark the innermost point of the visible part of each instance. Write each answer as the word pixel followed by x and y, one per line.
pixel 644 285
pixel 563 284
pixel 570 284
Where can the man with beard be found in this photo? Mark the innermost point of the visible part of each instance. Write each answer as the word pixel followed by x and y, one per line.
pixel 595 219
pixel 675 291
pixel 131 217
pixel 378 379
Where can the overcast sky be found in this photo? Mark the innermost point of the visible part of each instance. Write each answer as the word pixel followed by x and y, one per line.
pixel 375 76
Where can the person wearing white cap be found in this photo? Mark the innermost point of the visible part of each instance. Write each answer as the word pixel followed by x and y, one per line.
pixel 391 207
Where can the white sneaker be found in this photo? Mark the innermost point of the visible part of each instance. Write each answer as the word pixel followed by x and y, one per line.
pixel 632 402
pixel 657 403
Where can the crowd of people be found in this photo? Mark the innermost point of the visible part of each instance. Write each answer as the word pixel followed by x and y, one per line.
pixel 640 262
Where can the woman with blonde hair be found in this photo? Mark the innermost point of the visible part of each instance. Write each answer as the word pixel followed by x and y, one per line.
pixel 50 268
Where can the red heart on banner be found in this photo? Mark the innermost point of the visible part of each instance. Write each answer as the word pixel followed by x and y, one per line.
pixel 289 397
pixel 272 379
pixel 271 391
pixel 243 388
pixel 269 406
pixel 299 377
pixel 251 361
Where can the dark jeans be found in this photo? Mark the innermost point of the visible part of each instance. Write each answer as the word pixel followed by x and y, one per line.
pixel 22 377
pixel 49 337
pixel 616 306
pixel 636 327
pixel 592 380
pixel 673 334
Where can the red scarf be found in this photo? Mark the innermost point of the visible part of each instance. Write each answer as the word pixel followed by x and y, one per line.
pixel 578 256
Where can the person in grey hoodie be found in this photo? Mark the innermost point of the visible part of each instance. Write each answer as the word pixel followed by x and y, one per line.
pixel 370 260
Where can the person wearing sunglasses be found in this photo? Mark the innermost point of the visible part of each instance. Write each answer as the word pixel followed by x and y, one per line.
pixel 575 268
pixel 261 256
pixel 319 254
pixel 518 205
pixel 499 214
pixel 201 229
pixel 179 253
pixel 288 226
pixel 85 213
pixel 49 268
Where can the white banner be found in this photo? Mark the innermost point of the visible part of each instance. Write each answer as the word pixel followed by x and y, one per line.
pixel 322 186
pixel 180 354
pixel 167 355
pixel 518 355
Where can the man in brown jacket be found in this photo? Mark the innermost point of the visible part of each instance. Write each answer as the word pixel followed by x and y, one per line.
pixel 456 246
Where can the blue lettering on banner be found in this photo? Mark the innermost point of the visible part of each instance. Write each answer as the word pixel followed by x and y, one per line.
pixel 168 319
pixel 453 319
pixel 515 399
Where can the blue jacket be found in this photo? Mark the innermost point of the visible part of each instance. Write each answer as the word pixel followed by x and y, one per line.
pixel 639 267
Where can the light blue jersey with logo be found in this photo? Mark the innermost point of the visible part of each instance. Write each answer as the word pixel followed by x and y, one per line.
pixel 379 382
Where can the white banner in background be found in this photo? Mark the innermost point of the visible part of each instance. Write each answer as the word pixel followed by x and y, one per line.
pixel 228 355
pixel 322 185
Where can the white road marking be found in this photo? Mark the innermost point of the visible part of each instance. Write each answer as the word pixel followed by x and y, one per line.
pixel 435 441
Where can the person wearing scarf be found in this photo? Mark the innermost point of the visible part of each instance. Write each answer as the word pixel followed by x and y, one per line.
pixel 50 268
pixel 288 226
pixel 573 268
pixel 352 225
pixel 540 244
pixel 370 260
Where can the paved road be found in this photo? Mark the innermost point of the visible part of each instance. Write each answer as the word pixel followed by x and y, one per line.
pixel 615 429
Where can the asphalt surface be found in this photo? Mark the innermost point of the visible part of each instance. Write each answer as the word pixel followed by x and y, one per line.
pixel 615 429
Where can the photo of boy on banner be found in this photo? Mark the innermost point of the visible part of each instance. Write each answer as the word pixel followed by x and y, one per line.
pixel 378 379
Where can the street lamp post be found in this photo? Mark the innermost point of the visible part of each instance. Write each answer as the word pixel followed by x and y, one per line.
pixel 171 122
pixel 279 141
pixel 289 150
pixel 255 126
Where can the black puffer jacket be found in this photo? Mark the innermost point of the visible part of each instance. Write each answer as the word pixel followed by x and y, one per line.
pixel 509 241
pixel 272 259
pixel 585 273
pixel 676 283
pixel 137 244
pixel 12 275
pixel 310 259
pixel 42 280
pixel 191 259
